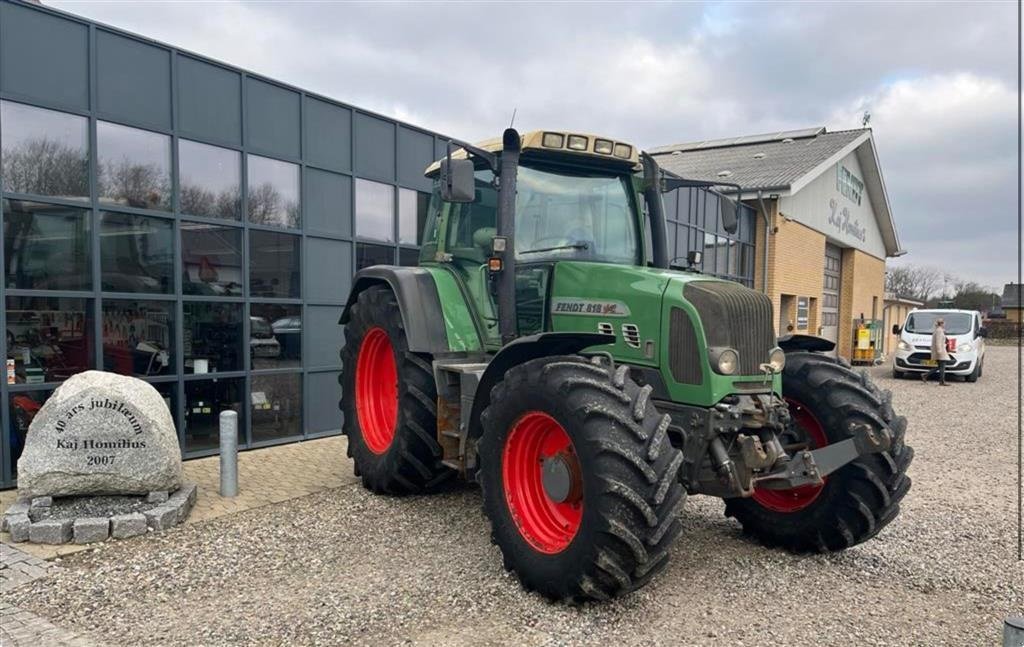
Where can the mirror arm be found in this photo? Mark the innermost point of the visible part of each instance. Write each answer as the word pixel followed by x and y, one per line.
pixel 488 157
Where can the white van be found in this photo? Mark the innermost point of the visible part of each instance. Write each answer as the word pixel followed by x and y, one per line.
pixel 965 337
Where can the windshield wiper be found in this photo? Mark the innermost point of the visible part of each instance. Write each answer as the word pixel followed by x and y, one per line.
pixel 556 248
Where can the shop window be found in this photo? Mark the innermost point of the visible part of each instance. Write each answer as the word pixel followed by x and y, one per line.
pixel 136 253
pixel 49 339
pixel 412 215
pixel 138 337
pixel 276 407
pixel 273 265
pixel 375 211
pixel 802 311
pixel 212 337
pixel 24 407
pixel 275 335
pixel 210 180
pixel 367 255
pixel 133 166
pixel 211 259
pixel 408 257
pixel 46 247
pixel 204 401
pixel 44 152
pixel 273 193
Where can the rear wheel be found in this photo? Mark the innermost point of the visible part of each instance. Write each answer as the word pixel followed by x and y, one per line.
pixel 579 479
pixel 826 399
pixel 389 400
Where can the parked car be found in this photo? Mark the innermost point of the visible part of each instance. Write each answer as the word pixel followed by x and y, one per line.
pixel 262 342
pixel 965 338
pixel 288 331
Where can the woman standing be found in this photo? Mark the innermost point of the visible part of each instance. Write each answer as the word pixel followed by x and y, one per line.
pixel 939 353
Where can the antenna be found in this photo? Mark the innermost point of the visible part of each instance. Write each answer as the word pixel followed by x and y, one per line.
pixel 865 119
pixel 513 121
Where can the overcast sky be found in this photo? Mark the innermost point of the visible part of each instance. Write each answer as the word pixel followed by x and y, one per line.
pixel 940 82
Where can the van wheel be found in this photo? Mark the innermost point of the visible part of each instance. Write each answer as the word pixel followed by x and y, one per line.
pixel 897 375
pixel 975 374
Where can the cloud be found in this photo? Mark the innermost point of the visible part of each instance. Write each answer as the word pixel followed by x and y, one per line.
pixel 938 78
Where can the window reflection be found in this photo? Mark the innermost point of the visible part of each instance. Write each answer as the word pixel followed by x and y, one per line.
pixel 138 337
pixel 412 215
pixel 211 259
pixel 275 335
pixel 367 255
pixel 24 407
pixel 44 151
pixel 273 264
pixel 204 400
pixel 408 257
pixel 133 166
pixel 46 247
pixel 273 192
pixel 375 211
pixel 212 337
pixel 136 253
pixel 276 402
pixel 49 339
pixel 210 180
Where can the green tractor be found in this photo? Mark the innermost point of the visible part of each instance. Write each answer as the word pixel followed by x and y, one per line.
pixel 547 348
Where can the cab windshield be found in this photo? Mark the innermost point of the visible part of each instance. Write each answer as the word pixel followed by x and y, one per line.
pixel 923 323
pixel 559 216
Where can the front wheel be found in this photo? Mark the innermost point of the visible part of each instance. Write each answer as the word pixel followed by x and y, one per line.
pixel 579 479
pixel 827 399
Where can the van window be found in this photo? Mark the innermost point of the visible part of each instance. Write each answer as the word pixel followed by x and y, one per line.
pixel 922 323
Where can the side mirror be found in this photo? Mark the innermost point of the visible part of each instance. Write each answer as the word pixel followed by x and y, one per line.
pixel 457 181
pixel 983 332
pixel 730 212
pixel 896 329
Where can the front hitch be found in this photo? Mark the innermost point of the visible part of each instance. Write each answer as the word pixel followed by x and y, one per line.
pixel 810 467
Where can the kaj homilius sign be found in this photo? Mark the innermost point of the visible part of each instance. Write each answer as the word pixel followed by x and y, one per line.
pixel 851 187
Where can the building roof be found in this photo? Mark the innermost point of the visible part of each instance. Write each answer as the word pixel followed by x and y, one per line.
pixel 783 163
pixel 891 297
pixel 1011 296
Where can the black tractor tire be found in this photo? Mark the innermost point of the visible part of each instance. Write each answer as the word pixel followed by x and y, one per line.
pixel 630 497
pixel 411 462
pixel 860 498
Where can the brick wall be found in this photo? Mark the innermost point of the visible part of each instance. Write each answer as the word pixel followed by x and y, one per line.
pixel 796 261
pixel 863 279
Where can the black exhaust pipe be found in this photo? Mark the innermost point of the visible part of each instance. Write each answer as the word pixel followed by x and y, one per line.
pixel 507 320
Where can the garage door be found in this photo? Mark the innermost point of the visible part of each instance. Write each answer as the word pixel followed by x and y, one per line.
pixel 830 293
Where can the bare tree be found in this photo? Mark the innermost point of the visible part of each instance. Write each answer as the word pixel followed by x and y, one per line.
pixel 914 282
pixel 145 186
pixel 47 167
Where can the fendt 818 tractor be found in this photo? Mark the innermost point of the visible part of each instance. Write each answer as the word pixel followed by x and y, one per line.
pixel 547 348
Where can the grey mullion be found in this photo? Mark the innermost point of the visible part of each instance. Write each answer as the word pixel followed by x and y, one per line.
pixel 139 296
pixel 64 202
pixel 6 477
pixel 206 298
pixel 135 211
pixel 288 370
pixel 131 123
pixel 207 220
pixel 15 97
pixel 222 375
pixel 271 228
pixel 22 387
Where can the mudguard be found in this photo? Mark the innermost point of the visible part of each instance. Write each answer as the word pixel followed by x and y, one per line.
pixel 793 343
pixel 418 301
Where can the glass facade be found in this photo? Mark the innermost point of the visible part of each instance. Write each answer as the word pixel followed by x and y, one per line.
pixel 694 223
pixel 160 219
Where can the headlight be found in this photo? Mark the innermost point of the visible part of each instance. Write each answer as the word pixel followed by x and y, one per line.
pixel 725 361
pixel 903 345
pixel 777 359
pixel 965 347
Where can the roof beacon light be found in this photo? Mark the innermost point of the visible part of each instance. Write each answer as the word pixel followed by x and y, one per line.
pixel 553 140
pixel 603 146
pixel 577 142
pixel 623 150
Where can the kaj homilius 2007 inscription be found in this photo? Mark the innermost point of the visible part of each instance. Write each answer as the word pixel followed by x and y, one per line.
pixel 134 426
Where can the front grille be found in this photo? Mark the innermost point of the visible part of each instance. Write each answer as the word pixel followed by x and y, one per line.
pixel 734 317
pixel 683 355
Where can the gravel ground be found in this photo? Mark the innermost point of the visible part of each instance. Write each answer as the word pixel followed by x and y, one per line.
pixel 348 567
pixel 98 506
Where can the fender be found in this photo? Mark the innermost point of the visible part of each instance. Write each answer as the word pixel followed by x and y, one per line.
pixel 793 343
pixel 523 350
pixel 418 301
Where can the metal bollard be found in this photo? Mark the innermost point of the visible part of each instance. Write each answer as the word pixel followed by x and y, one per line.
pixel 1013 632
pixel 228 453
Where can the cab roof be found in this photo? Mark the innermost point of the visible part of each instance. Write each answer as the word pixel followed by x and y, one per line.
pixel 557 141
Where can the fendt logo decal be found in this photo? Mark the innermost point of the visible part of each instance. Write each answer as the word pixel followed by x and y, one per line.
pixel 587 307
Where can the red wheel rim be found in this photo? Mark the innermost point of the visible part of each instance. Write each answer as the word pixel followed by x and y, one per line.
pixel 377 391
pixel 797 498
pixel 547 525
